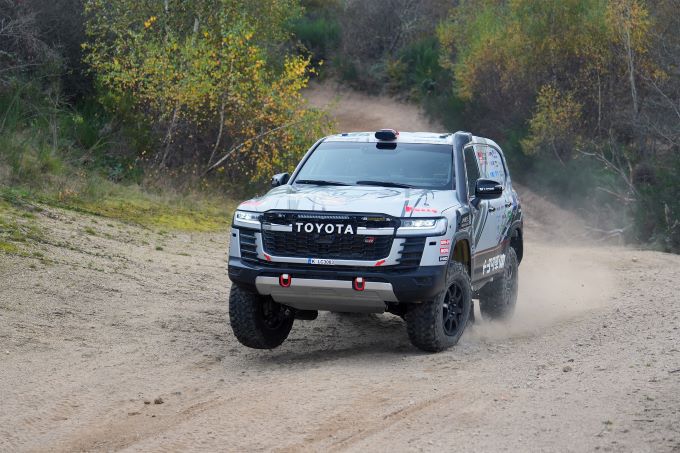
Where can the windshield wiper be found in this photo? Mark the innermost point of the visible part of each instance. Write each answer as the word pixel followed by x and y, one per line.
pixel 385 184
pixel 320 182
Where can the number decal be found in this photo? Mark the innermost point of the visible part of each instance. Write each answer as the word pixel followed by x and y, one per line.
pixel 322 261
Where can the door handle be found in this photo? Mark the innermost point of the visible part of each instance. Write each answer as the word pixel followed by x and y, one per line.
pixel 508 204
pixel 492 209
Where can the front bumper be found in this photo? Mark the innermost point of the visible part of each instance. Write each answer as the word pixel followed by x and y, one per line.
pixel 332 295
pixel 335 284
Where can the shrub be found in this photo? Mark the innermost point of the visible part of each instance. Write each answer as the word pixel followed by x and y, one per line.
pixel 320 36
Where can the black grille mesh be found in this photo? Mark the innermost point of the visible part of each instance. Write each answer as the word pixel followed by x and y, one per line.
pixel 411 253
pixel 248 245
pixel 335 246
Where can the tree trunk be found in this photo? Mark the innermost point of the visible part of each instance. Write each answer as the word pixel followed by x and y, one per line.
pixel 168 135
pixel 599 102
pixel 631 66
pixel 219 135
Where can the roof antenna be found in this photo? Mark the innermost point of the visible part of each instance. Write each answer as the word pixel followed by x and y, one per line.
pixel 387 134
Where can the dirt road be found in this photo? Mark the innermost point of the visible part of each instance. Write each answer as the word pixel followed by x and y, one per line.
pixel 121 342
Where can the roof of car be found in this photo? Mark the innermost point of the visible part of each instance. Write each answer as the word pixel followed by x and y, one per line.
pixel 443 138
pixel 403 137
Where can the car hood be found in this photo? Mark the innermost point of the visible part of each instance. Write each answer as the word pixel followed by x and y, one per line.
pixel 396 202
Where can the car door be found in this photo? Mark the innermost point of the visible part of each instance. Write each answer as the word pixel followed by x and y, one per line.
pixel 479 212
pixel 492 214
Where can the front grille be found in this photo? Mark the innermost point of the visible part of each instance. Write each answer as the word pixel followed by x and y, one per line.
pixel 335 246
pixel 332 245
pixel 248 245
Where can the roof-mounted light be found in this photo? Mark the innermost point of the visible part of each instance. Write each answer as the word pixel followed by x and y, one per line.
pixel 386 134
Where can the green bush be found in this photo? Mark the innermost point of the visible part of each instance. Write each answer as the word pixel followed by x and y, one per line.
pixel 320 35
pixel 347 69
pixel 420 70
pixel 447 109
pixel 657 212
pixel 39 137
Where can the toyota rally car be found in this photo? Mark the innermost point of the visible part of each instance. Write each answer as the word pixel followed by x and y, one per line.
pixel 415 224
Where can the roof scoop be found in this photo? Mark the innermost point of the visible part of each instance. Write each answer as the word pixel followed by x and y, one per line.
pixel 387 134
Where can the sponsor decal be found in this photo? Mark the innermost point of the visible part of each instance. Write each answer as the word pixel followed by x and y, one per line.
pixel 369 240
pixel 444 251
pixel 443 258
pixel 445 242
pixel 328 228
pixel 430 210
pixel 494 263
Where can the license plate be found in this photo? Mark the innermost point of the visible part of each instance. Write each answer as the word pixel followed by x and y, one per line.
pixel 322 261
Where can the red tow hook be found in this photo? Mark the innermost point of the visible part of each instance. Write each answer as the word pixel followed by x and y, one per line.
pixel 285 280
pixel 359 284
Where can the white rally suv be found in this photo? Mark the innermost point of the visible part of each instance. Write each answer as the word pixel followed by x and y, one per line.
pixel 416 224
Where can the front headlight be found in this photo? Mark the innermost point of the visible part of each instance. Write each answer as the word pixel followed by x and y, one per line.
pixel 422 227
pixel 247 219
pixel 418 223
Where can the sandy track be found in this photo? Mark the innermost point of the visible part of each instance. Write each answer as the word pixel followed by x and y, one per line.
pixel 86 341
pixel 354 111
pixel 591 360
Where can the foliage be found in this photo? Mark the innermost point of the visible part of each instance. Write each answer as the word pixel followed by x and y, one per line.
pixel 205 67
pixel 379 42
pixel 585 77
pixel 22 51
pixel 318 35
pixel 164 211
pixel 39 138
pixel 167 211
pixel 582 94
pixel 416 70
pixel 555 126
pixel 657 215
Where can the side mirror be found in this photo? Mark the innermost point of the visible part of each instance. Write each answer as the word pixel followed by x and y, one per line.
pixel 488 189
pixel 280 179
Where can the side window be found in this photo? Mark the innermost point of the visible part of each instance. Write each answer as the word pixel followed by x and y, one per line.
pixel 471 168
pixel 490 163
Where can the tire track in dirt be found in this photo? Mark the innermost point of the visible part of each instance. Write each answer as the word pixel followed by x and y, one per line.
pixel 352 428
pixel 114 436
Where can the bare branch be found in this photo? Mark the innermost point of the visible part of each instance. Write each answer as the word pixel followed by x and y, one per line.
pixel 242 144
pixel 664 95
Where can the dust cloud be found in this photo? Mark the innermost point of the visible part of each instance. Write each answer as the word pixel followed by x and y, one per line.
pixel 556 283
pixel 563 273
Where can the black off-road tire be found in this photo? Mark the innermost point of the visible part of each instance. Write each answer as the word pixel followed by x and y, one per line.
pixel 497 299
pixel 430 324
pixel 257 321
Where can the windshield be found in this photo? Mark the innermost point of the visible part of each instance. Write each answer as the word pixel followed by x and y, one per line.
pixel 422 166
